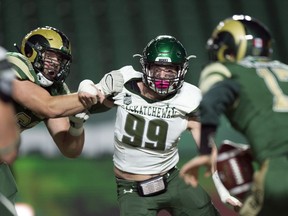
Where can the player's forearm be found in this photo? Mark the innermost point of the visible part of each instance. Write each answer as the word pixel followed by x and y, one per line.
pixel 63 105
pixel 72 146
pixel 38 100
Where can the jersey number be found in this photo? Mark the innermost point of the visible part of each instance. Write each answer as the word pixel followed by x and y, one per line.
pixel 280 100
pixel 137 128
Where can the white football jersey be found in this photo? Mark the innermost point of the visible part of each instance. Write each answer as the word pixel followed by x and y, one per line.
pixel 147 132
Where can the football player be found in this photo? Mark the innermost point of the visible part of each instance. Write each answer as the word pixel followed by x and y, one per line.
pixel 9 132
pixel 41 95
pixel 154 107
pixel 250 88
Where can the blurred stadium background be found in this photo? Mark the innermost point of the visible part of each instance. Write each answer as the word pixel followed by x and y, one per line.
pixel 104 35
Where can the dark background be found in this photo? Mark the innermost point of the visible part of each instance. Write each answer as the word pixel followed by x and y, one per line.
pixel 104 36
pixel 106 33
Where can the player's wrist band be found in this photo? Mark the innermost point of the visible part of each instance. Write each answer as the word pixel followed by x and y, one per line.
pixel 75 131
pixel 76 126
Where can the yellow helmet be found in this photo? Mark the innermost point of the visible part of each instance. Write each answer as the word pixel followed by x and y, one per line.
pixel 237 37
pixel 42 39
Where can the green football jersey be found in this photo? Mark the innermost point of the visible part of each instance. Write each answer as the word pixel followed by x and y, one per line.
pixel 24 71
pixel 260 112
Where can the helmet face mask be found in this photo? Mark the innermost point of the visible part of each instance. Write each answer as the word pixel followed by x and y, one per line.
pixel 162 79
pixel 166 54
pixel 238 37
pixel 39 43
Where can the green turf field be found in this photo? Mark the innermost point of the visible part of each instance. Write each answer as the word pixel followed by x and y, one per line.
pixel 71 187
pixel 59 187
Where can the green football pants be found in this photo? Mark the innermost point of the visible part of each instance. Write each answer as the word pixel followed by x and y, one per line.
pixel 179 199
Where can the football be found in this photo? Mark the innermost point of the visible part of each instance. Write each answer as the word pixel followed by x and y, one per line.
pixel 235 168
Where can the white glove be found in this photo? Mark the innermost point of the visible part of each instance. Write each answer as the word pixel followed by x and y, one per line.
pixel 111 84
pixel 223 192
pixel 87 86
pixel 76 123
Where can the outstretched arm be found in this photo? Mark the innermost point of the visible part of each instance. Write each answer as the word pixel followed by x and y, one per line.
pixel 37 99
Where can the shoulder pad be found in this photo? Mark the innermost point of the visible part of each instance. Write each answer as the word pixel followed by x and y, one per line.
pixel 22 67
pixel 188 98
pixel 212 74
pixel 129 73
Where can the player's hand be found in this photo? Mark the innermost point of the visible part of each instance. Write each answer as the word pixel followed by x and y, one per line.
pixel 88 93
pixel 224 193
pixel 189 171
pixel 221 189
pixel 111 84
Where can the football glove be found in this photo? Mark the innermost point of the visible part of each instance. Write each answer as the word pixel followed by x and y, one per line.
pixel 87 86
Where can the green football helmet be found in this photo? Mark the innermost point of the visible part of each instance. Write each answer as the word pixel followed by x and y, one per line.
pixel 43 39
pixel 237 37
pixel 164 50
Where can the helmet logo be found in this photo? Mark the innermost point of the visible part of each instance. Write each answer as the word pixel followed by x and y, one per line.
pixel 163 59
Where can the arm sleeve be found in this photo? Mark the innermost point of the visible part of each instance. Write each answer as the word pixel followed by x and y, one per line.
pixel 215 103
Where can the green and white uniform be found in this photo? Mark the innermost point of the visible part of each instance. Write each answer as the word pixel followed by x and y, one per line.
pixel 24 71
pixel 253 96
pixel 147 133
pixel 25 117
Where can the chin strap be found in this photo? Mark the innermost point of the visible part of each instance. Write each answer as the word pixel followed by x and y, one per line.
pixel 43 80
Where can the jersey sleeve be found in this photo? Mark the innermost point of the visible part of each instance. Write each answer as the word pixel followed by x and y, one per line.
pixel 213 106
pixel 129 73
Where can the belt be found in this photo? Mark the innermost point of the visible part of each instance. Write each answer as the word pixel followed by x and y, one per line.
pixel 170 172
pixel 129 186
pixel 134 183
